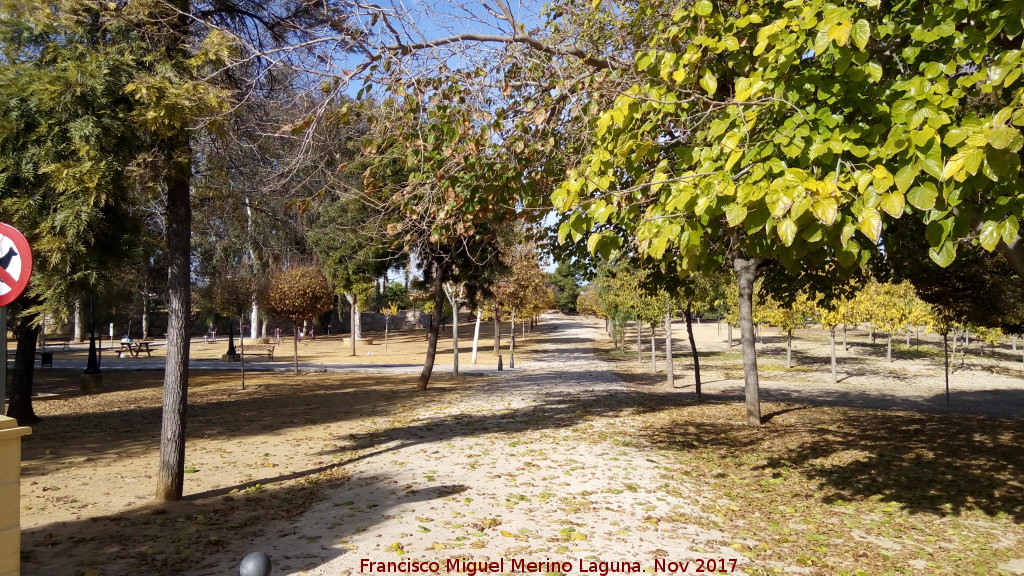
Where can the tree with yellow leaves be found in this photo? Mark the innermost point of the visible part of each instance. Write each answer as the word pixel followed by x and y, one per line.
pixel 787 317
pixel 890 307
pixel 830 317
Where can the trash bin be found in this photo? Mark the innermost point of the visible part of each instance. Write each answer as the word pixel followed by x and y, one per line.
pixel 46 360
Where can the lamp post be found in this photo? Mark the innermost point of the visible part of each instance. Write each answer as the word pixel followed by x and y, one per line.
pixel 93 366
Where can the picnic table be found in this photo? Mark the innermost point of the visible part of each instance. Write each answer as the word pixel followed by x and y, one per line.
pixel 133 349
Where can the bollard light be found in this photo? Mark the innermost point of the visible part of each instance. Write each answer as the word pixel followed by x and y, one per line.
pixel 499 363
pixel 255 564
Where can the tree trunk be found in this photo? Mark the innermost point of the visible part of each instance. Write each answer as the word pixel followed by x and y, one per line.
pixel 747 271
pixel 353 321
pixel 476 333
pixel 639 345
pixel 435 327
pixel 497 332
pixel 455 334
pixel 145 311
pixel 241 347
pixel 79 325
pixel 888 348
pixel 728 332
pixel 670 378
pixel 512 341
pixel 254 321
pixel 945 350
pixel 171 471
pixel 693 348
pixel 846 348
pixel 295 345
pixel 654 353
pixel 20 406
pixel 387 326
pixel 832 343
pixel 789 349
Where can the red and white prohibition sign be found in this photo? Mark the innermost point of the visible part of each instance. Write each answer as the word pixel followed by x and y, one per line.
pixel 15 263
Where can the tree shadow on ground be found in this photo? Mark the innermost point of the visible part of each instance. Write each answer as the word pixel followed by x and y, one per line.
pixel 942 464
pixel 205 533
pixel 125 420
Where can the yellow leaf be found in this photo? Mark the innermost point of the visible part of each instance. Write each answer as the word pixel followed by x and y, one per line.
pixel 578 536
pixel 871 224
pixel 826 210
pixel 840 32
pixel 954 166
pixel 787 231
pixel 507 534
pixel 893 204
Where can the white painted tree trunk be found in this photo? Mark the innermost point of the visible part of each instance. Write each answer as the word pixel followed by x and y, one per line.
pixel 254 321
pixel 353 302
pixel 476 333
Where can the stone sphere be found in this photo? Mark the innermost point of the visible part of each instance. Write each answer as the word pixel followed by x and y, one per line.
pixel 255 564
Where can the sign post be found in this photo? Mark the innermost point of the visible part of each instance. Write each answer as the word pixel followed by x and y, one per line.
pixel 15 271
pixel 3 365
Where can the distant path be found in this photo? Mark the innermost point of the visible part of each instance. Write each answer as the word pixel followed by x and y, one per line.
pixel 523 466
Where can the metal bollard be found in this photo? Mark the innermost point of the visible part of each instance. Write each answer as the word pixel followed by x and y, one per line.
pixel 512 360
pixel 499 363
pixel 255 564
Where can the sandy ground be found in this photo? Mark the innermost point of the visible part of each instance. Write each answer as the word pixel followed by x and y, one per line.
pixel 508 471
pixel 523 465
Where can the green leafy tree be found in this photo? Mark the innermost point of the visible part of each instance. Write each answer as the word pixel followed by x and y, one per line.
pixel 566 280
pixel 795 133
pixel 68 156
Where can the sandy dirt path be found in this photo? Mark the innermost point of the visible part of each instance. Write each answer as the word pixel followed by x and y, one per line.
pixel 527 467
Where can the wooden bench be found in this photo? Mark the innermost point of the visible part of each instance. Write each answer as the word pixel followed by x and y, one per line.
pixel 61 341
pixel 258 349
